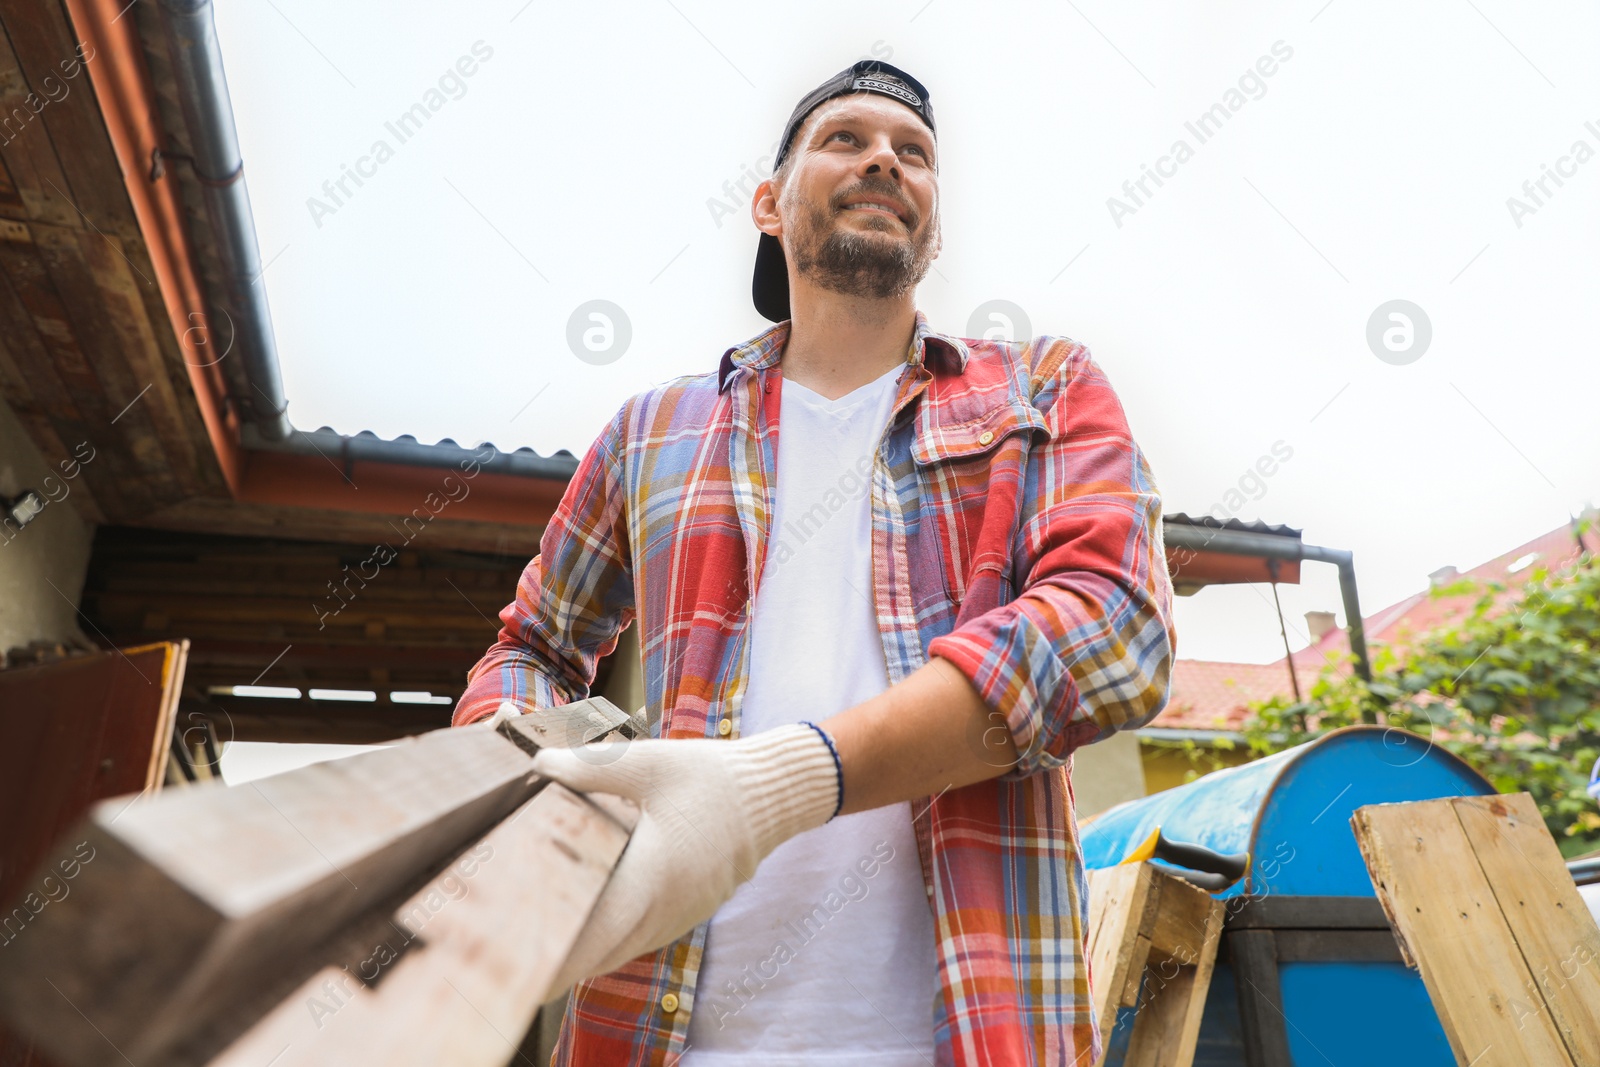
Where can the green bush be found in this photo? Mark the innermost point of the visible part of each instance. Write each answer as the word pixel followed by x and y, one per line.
pixel 1515 693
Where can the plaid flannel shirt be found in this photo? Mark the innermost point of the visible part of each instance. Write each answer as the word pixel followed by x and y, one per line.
pixel 1016 532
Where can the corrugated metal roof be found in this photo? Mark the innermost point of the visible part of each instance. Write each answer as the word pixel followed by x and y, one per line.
pixel 1253 526
pixel 449 442
pixel 368 447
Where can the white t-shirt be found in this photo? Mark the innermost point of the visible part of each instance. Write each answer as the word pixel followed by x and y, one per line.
pixel 827 955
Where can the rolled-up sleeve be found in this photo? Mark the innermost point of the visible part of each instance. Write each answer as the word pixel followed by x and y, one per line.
pixel 573 600
pixel 1086 646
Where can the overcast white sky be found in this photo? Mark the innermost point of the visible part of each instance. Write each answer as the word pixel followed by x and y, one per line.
pixel 583 159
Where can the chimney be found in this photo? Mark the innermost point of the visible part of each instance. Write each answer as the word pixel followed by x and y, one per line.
pixel 1319 623
pixel 1442 576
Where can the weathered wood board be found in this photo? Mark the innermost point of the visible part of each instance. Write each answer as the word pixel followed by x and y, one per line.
pixel 1483 906
pixel 458 974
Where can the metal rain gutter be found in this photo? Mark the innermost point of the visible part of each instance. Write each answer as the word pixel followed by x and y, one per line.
pixel 214 144
pixel 1274 546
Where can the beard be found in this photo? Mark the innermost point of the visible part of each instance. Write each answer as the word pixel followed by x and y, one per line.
pixel 862 264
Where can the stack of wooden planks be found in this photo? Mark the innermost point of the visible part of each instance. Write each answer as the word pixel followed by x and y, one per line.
pixel 408 905
pixel 1483 905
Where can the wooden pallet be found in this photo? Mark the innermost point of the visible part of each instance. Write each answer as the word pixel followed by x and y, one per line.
pixel 1482 904
pixel 1152 946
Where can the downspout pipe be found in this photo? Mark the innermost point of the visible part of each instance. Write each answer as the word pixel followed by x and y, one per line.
pixel 1273 546
pixel 214 148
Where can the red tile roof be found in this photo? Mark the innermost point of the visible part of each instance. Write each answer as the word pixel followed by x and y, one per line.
pixel 1208 695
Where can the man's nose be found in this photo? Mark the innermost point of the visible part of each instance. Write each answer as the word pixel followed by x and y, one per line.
pixel 880 159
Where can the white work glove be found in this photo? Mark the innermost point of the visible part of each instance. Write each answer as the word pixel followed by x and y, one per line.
pixel 710 811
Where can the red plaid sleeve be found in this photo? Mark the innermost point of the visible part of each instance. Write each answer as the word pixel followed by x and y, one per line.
pixel 1086 647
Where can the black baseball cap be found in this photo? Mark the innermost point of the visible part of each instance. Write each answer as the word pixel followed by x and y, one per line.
pixel 771 285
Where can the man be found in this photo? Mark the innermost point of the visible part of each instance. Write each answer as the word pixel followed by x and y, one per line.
pixel 871 644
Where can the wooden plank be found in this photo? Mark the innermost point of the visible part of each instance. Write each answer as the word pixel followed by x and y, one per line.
pixel 1167 1029
pixel 75 400
pixel 25 287
pixel 1448 920
pixel 1181 923
pixel 217 515
pixel 1552 926
pixel 1138 960
pixel 129 344
pixel 107 384
pixel 486 948
pixel 25 145
pixel 568 726
pixel 1118 897
pixel 34 394
pixel 1254 957
pixel 197 895
pixel 261 605
pixel 11 205
pixel 46 47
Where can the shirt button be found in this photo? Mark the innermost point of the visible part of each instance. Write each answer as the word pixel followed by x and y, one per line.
pixel 669 1003
pixel 985 437
pixel 929 889
pixel 725 727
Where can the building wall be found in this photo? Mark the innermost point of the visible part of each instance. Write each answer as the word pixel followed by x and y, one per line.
pixel 625 686
pixel 1107 773
pixel 42 566
pixel 1166 766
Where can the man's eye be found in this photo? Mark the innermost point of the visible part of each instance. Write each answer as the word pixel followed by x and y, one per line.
pixel 842 133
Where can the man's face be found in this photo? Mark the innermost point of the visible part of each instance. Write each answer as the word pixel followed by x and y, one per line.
pixel 859 204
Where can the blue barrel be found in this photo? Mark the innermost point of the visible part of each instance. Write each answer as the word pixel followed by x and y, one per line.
pixel 1291 813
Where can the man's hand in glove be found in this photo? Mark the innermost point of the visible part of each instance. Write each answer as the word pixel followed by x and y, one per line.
pixel 710 811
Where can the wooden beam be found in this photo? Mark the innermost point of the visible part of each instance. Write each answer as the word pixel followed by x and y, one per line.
pixel 459 973
pixel 1118 899
pixel 220 515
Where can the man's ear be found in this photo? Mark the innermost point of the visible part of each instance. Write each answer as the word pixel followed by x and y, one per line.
pixel 764 209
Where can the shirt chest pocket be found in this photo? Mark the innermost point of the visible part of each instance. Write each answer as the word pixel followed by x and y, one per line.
pixel 971 477
pixel 973 444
